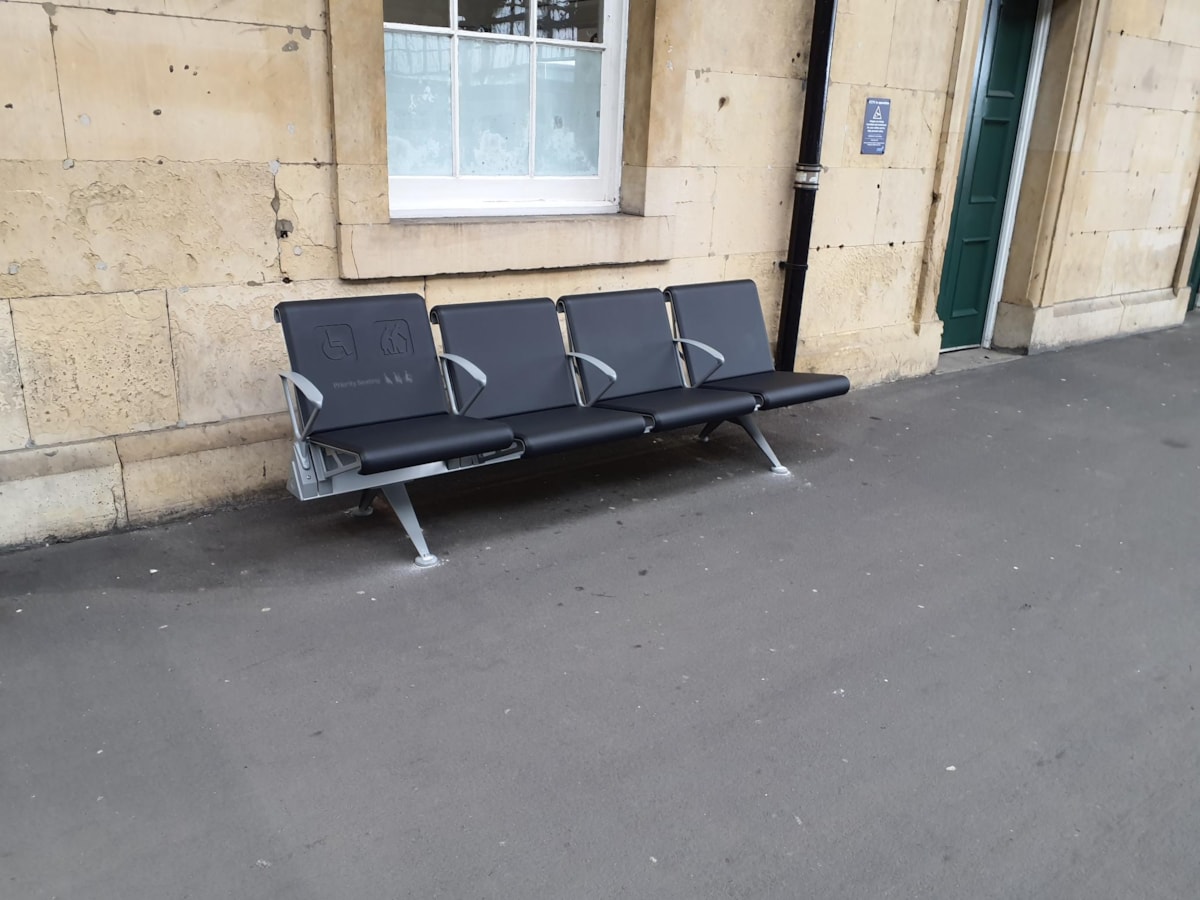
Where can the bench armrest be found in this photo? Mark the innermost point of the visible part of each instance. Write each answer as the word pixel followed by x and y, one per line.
pixel 476 373
pixel 293 381
pixel 605 369
pixel 711 351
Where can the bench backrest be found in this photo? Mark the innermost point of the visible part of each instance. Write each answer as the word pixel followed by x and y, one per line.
pixel 725 315
pixel 519 346
pixel 372 358
pixel 630 331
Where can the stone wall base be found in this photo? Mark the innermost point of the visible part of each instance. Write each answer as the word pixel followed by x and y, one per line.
pixel 1030 330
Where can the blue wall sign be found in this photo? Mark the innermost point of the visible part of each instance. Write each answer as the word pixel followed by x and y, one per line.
pixel 875 126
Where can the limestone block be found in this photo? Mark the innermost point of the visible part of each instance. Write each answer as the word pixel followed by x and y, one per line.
pixel 862 43
pixel 359 92
pixel 1142 260
pixel 305 196
pixel 14 429
pixel 297 13
pixel 667 84
pixel 95 365
pixel 914 132
pixel 847 208
pixel 362 195
pixel 228 349
pixel 1181 22
pixel 1079 260
pixel 415 248
pixel 131 225
pixel 1151 310
pixel 1111 201
pixel 923 45
pixel 31 124
pixel 855 288
pixel 752 38
pixel 904 205
pixel 1076 322
pixel 753 210
pixel 1137 71
pixel 1117 129
pixel 137 86
pixel 189 469
pixel 1171 200
pixel 872 355
pixel 695 211
pixel 62 493
pixel 741 120
pixel 1141 19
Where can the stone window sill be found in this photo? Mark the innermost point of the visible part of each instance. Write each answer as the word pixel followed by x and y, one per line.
pixel 406 248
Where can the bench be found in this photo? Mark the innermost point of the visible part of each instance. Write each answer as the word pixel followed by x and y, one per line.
pixel 373 405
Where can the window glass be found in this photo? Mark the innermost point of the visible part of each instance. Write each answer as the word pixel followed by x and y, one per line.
pixel 417 12
pixel 493 17
pixel 493 114
pixel 568 111
pixel 569 20
pixel 419 123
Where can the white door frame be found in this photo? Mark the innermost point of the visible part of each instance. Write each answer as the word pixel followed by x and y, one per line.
pixel 1024 130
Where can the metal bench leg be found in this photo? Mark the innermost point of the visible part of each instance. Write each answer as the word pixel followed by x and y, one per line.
pixel 366 503
pixel 752 429
pixel 397 496
pixel 709 429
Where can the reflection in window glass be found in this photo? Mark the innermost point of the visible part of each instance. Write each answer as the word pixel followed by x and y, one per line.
pixel 417 12
pixel 568 111
pixel 493 122
pixel 569 20
pixel 494 17
pixel 419 129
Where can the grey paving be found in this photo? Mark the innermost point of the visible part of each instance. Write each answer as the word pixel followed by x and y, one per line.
pixel 954 655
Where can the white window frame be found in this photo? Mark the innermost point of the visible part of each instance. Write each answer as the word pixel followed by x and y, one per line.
pixel 412 196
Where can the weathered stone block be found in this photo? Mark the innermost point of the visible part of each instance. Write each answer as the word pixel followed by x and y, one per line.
pixel 862 43
pixel 741 120
pixel 136 86
pixel 63 493
pixel 133 225
pixel 14 429
pixel 309 249
pixel 228 349
pixel 183 470
pixel 300 14
pixel 753 209
pixel 847 208
pixel 923 45
pixel 769 39
pixel 873 355
pixel 31 125
pixel 362 195
pixel 904 202
pixel 859 288
pixel 1143 18
pixel 695 210
pixel 95 365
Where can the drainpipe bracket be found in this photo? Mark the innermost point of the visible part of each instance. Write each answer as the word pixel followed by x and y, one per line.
pixel 808 177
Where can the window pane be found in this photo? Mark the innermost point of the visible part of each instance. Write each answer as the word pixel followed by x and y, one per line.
pixel 570 20
pixel 417 12
pixel 493 118
pixel 419 128
pixel 494 17
pixel 568 111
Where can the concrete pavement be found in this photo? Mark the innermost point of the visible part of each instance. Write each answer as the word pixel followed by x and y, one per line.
pixel 953 655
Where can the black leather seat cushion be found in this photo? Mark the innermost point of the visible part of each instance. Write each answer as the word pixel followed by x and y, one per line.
pixel 785 388
pixel 679 407
pixel 410 442
pixel 567 427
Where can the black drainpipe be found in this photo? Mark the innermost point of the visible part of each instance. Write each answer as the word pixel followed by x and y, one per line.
pixel 808 175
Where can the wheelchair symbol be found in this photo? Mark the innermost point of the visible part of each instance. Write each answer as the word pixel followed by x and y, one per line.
pixel 338 342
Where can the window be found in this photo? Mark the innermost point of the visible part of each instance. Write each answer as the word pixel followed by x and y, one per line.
pixel 503 107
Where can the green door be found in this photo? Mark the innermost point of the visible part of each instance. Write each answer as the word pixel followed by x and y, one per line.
pixel 987 166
